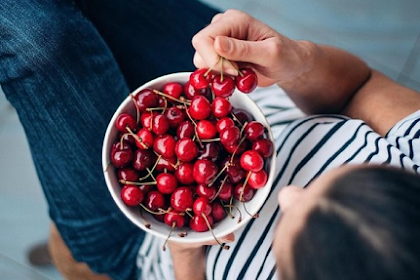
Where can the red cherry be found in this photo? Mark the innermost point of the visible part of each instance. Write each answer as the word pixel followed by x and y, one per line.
pixel 257 179
pixel 204 171
pixel 242 115
pixel 146 119
pixel 198 223
pixel 224 123
pixel 237 149
pixel 221 107
pixel 225 192
pixel 166 183
pixel 230 136
pixel 173 89
pixel 210 151
pixel 185 129
pixel 234 171
pixel 252 161
pixel 143 159
pixel 160 124
pixel 186 149
pixel 200 108
pixel 264 147
pixel 175 116
pixel 182 199
pixel 199 79
pixel 125 120
pixel 247 81
pixel 184 173
pixel 121 155
pixel 127 138
pixel 128 174
pixel 132 195
pixel 174 218
pixel 254 130
pixel 206 191
pixel 191 92
pixel 202 205
pixel 218 212
pixel 166 164
pixel 206 129
pixel 223 86
pixel 146 139
pixel 164 145
pixel 146 98
pixel 155 200
pixel 243 193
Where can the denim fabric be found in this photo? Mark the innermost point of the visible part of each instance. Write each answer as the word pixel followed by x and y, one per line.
pixel 65 67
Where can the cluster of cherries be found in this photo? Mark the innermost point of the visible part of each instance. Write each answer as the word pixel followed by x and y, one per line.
pixel 188 155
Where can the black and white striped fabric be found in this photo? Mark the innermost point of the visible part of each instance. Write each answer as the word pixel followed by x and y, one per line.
pixel 306 147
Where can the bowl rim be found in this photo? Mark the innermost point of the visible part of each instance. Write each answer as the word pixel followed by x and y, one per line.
pixel 192 237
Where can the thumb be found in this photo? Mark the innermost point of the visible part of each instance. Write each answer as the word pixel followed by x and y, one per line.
pixel 239 50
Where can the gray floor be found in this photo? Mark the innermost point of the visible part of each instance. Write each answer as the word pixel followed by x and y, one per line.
pixel 385 33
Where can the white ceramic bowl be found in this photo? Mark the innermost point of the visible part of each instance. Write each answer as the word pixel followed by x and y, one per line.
pixel 226 226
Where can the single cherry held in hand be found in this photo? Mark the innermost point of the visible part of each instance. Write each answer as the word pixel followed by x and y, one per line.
pixel 188 155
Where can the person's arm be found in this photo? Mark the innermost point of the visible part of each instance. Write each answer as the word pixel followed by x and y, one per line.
pixel 189 263
pixel 319 79
pixel 189 260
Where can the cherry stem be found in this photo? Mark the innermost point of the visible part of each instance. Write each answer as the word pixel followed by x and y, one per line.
pixel 169 235
pixel 246 210
pixel 145 221
pixel 218 175
pixel 137 108
pixel 234 67
pixel 211 68
pixel 210 140
pixel 236 119
pixel 226 247
pixel 138 139
pixel 244 184
pixel 187 211
pixel 125 182
pixel 161 211
pixel 221 70
pixel 150 171
pixel 236 149
pixel 172 98
pixel 155 109
pixel 220 188
pixel 230 206
pixel 195 128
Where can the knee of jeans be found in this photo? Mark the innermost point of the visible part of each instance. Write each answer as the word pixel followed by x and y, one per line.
pixel 36 36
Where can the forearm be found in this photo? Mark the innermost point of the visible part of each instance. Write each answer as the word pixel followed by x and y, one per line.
pixel 329 79
pixel 189 263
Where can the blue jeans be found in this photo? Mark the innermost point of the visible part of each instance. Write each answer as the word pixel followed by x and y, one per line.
pixel 65 66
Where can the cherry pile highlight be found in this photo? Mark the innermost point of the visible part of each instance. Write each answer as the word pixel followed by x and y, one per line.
pixel 187 154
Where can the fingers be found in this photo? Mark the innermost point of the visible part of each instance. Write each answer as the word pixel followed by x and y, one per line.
pixel 230 24
pixel 255 52
pixel 237 37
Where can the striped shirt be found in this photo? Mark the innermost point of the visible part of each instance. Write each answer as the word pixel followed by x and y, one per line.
pixel 306 147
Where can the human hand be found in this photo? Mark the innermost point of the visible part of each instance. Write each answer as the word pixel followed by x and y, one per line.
pixel 243 39
pixel 189 260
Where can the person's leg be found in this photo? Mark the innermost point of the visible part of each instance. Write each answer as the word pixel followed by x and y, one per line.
pixel 65 263
pixel 149 38
pixel 61 77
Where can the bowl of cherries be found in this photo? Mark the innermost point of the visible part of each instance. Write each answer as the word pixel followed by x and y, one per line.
pixel 189 156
